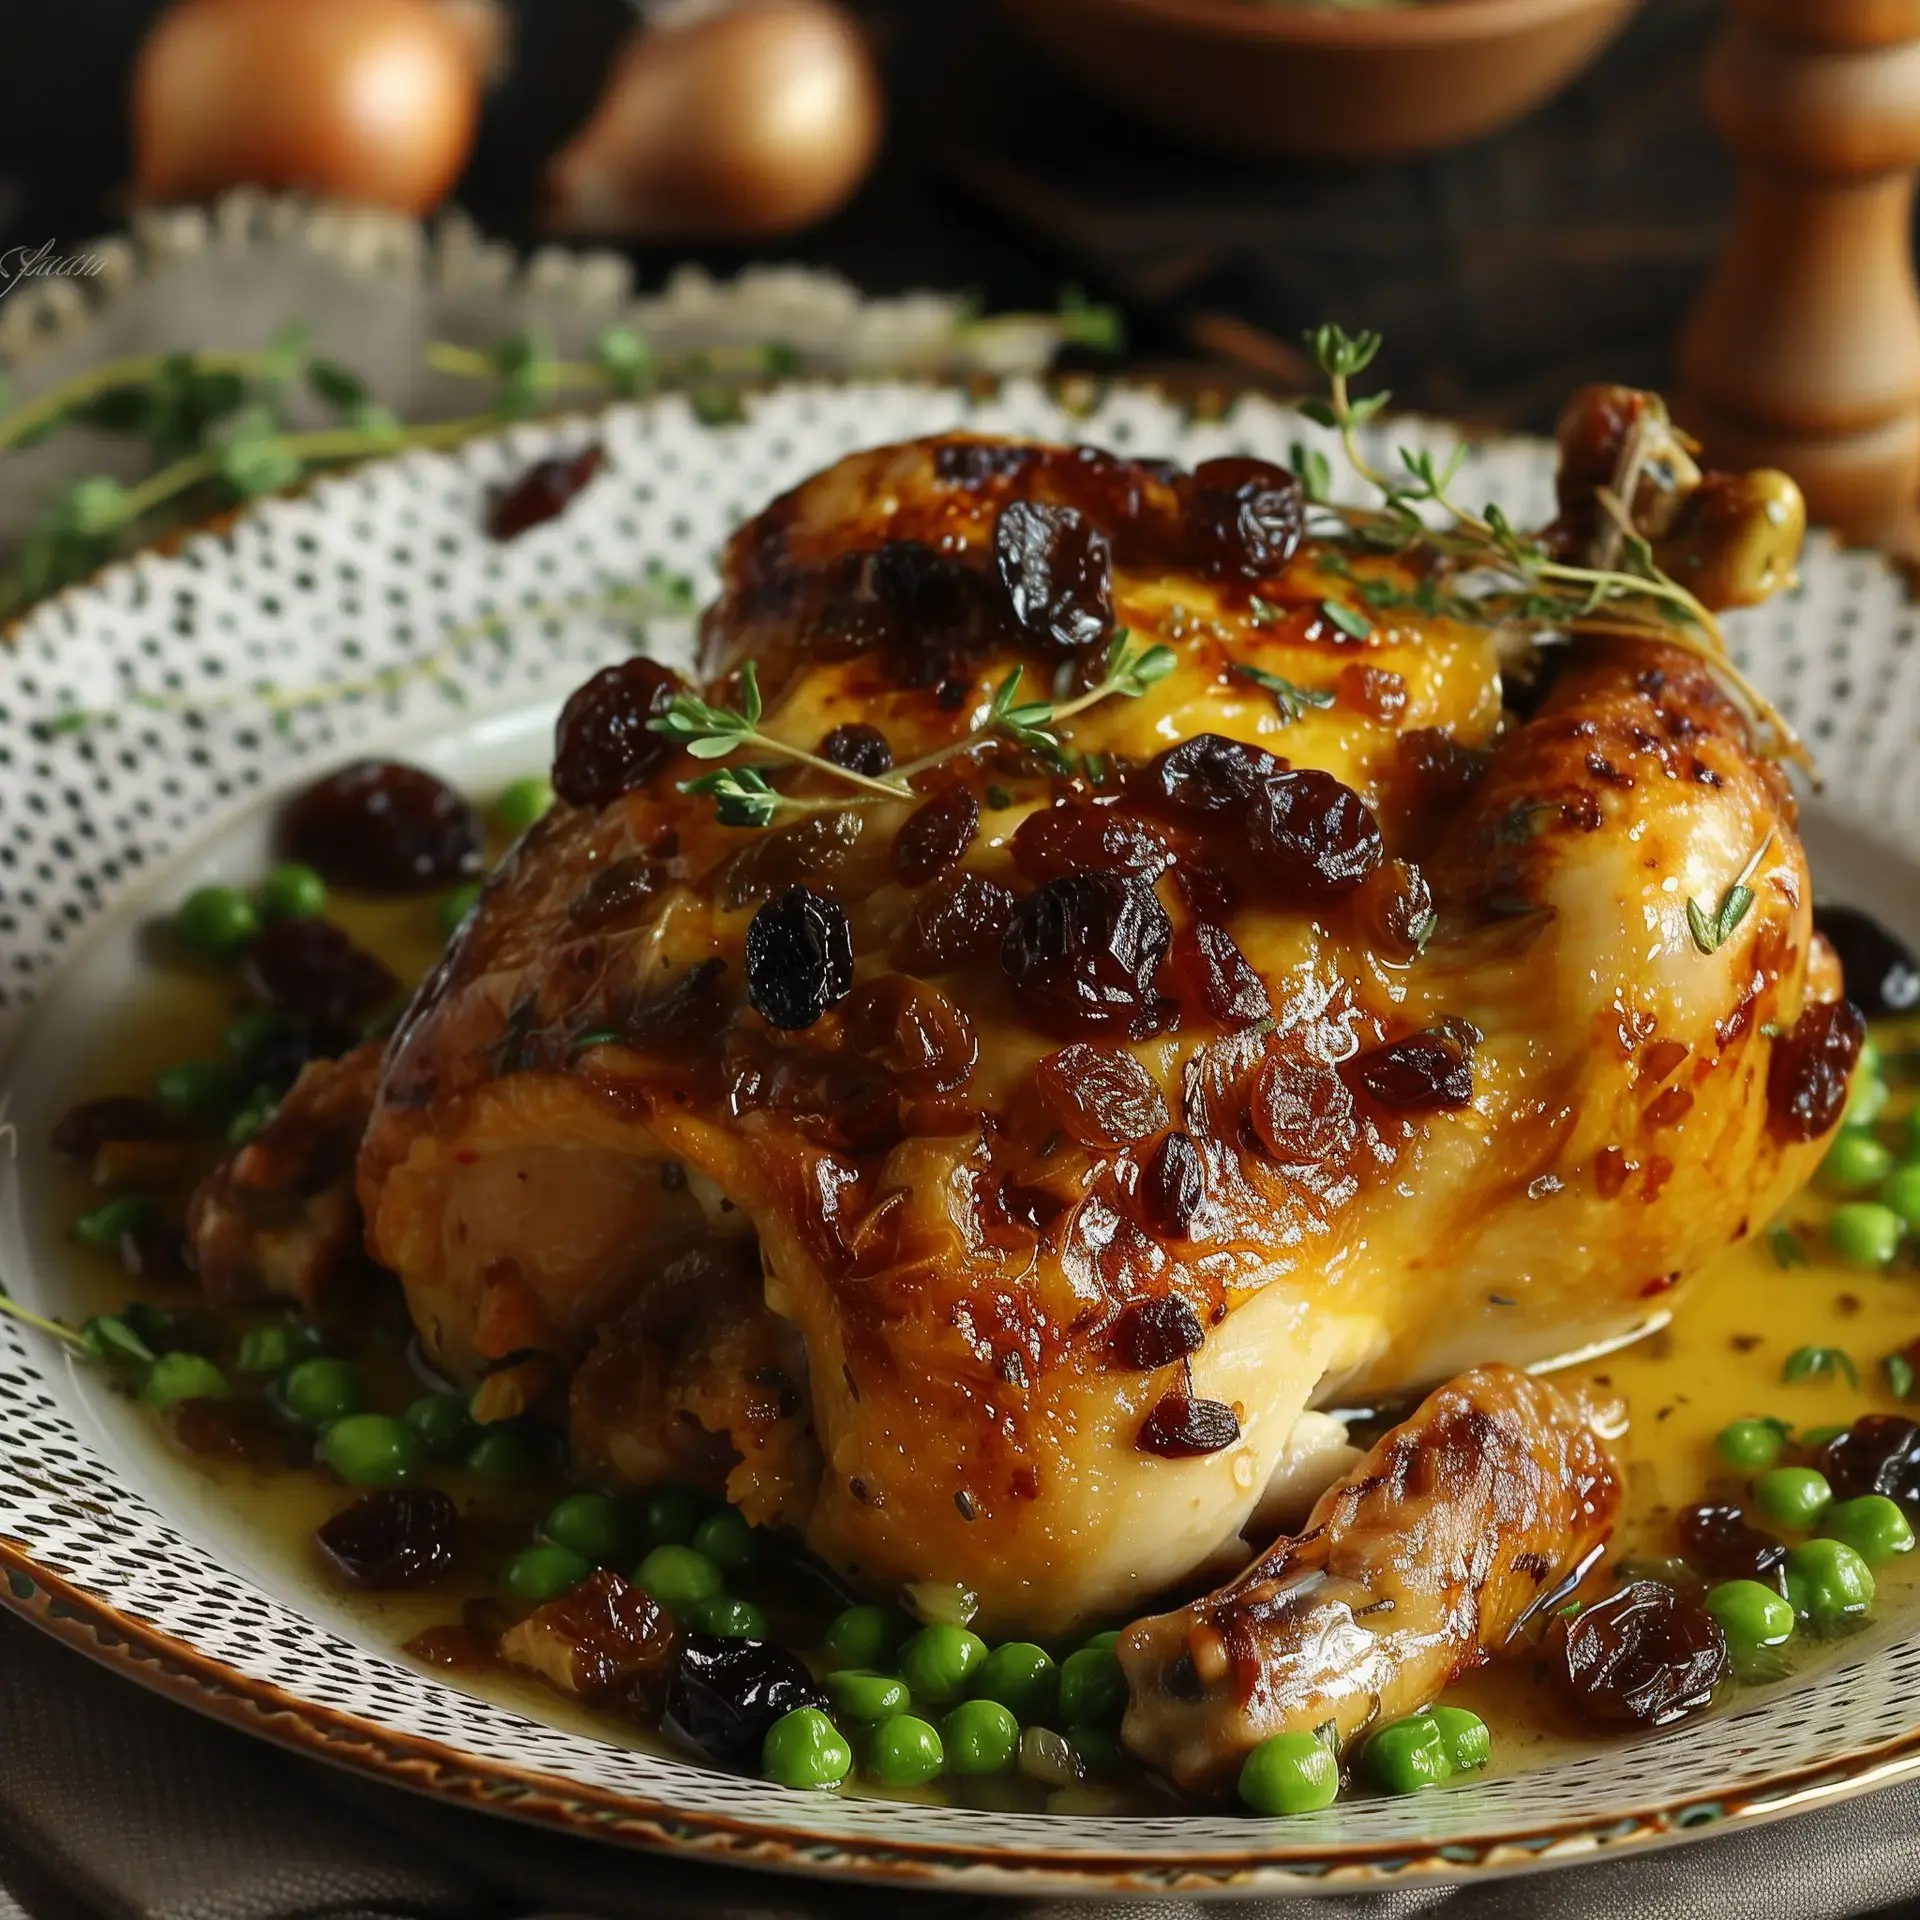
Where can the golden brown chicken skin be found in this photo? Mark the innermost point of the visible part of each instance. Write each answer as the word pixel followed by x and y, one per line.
pixel 1321 1026
pixel 1410 1572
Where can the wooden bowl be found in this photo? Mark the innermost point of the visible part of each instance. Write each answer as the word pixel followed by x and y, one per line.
pixel 1367 85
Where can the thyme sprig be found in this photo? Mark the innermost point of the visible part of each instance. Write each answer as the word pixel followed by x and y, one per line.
pixel 1712 931
pixel 745 796
pixel 1508 577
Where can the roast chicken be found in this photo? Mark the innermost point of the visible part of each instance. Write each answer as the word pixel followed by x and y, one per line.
pixel 989 1135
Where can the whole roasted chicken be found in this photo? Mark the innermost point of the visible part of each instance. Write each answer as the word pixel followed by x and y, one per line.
pixel 1112 963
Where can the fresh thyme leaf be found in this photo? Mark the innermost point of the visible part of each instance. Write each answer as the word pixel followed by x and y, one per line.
pixel 627 358
pixel 1361 411
pixel 1264 612
pixel 598 1037
pixel 1313 470
pixel 1131 671
pixel 1320 411
pixel 1026 723
pixel 1786 1247
pixel 1810 1363
pixel 1339 354
pixel 340 387
pixel 1711 931
pixel 1706 932
pixel 107 1337
pixel 741 795
pixel 1292 700
pixel 1899 1372
pixel 1348 619
pixel 1084 323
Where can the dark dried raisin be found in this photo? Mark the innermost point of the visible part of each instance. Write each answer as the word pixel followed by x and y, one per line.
pixel 82 1131
pixel 313 973
pixel 1211 774
pixel 1312 836
pixel 1173 1187
pixel 1244 517
pixel 914 1032
pixel 1441 768
pixel 799 958
pixel 1719 1541
pixel 1182 1428
pixel 1101 1096
pixel 1076 837
pixel 1642 1657
pixel 1812 1068
pixel 1882 976
pixel 1879 1453
pixel 1423 1072
pixel 617 895
pixel 935 835
pixel 723 1695
pixel 859 748
pixel 401 1538
pixel 1056 570
pixel 542 493
pixel 1394 909
pixel 602 745
pixel 1156 1333
pixel 1303 1111
pixel 1082 951
pixel 955 922
pixel 384 827
pixel 1211 968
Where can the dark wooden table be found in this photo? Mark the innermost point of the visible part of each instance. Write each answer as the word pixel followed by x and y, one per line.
pixel 1563 250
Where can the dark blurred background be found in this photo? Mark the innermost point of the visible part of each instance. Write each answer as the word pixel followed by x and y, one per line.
pixel 1503 275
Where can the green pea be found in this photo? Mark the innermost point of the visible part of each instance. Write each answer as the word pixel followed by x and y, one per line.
pixel 805 1749
pixel 1465 1736
pixel 678 1576
pixel 318 1392
pixel 865 1637
pixel 249 1123
pixel 1829 1584
pixel 1873 1526
pixel 183 1376
pixel 248 1033
pixel 1866 1098
pixel 265 1351
pixel 905 1752
pixel 293 892
pixel 727 1540
pixel 864 1695
pixel 1023 1678
pixel 442 1424
pixel 1751 1616
pixel 980 1736
pixel 521 802
pixel 674 1515
pixel 1290 1773
pixel 195 1091
pixel 455 907
pixel 372 1450
pixel 1093 1690
pixel 728 1617
pixel 502 1455
pixel 1408 1755
pixel 1794 1496
pixel 1901 1190
pixel 536 1575
pixel 592 1525
pixel 215 923
pixel 1865 1233
pixel 1871 1060
pixel 1110 1638
pixel 1855 1161
pixel 1748 1444
pixel 935 1663
pixel 1097 1749
pixel 110 1223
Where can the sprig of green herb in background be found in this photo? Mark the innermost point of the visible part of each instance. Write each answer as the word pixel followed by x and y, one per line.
pixel 1292 700
pixel 1819 1363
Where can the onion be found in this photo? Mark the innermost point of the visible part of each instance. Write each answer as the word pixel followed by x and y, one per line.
pixel 748 122
pixel 368 100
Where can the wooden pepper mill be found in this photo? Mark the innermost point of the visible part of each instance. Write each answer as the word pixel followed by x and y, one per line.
pixel 1804 351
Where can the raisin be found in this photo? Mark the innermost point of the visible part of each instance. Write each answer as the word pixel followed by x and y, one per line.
pixel 1303 1111
pixel 1082 951
pixel 935 835
pixel 1879 1453
pixel 401 1538
pixel 602 744
pixel 1056 570
pixel 859 748
pixel 956 922
pixel 1642 1657
pixel 1882 976
pixel 1423 1072
pixel 1207 961
pixel 1441 768
pixel 1812 1068
pixel 1211 774
pixel 914 1032
pixel 1311 835
pixel 1719 1541
pixel 542 493
pixel 1377 692
pixel 723 1695
pixel 617 895
pixel 1156 1333
pixel 384 827
pixel 1182 1428
pixel 930 592
pixel 812 849
pixel 971 463
pixel 1101 1096
pixel 313 973
pixel 1244 517
pixel 799 958
pixel 83 1130
pixel 1173 1188
pixel 1394 909
pixel 1076 837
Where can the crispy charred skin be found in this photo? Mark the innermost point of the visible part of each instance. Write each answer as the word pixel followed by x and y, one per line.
pixel 1053 1287
pixel 1410 1572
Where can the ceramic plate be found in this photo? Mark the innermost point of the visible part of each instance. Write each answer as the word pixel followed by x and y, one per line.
pixel 381 587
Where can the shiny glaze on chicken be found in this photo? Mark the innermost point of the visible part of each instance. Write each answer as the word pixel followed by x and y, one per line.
pixel 1163 1098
